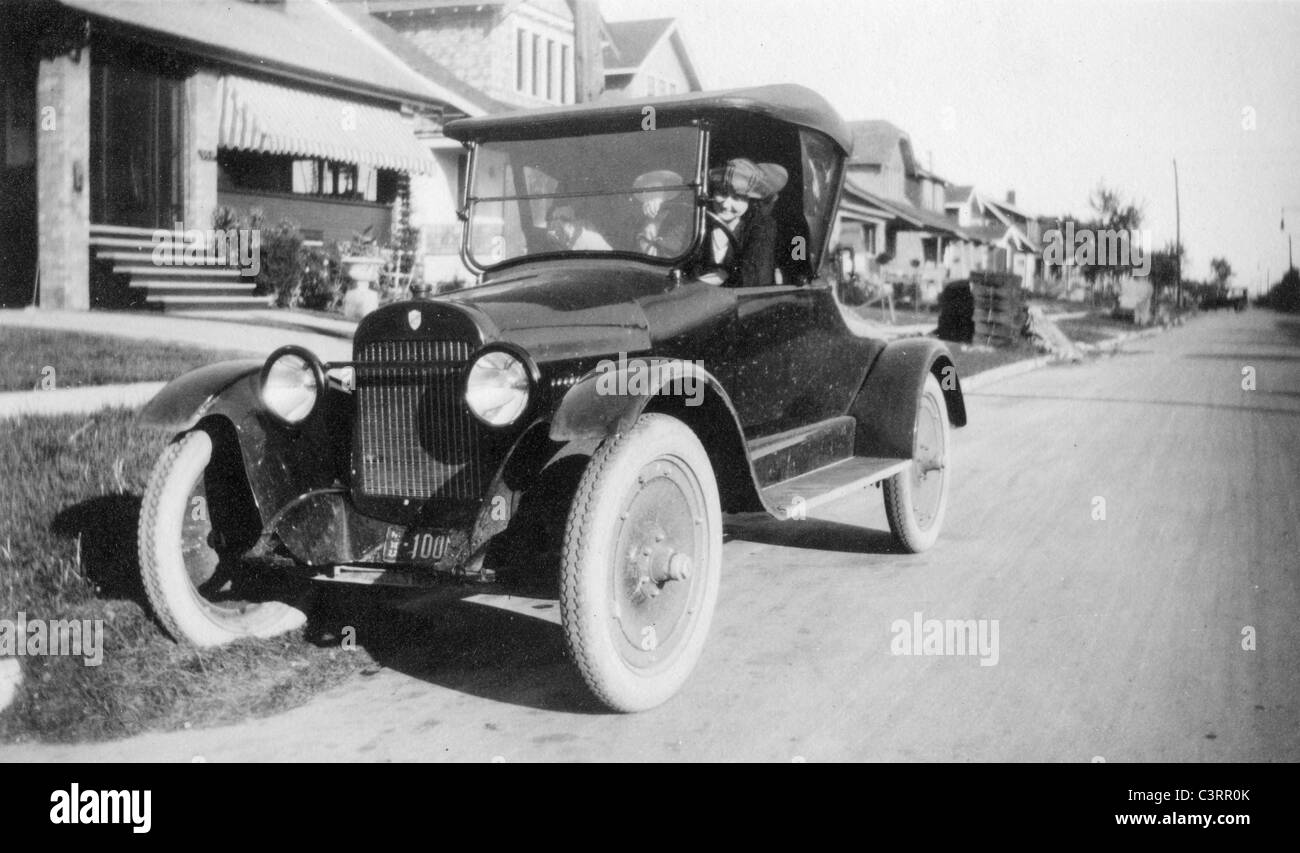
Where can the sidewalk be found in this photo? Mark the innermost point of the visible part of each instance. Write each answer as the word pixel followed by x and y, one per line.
pixel 255 332
pixel 259 333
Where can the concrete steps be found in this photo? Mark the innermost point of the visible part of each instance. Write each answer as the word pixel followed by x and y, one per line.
pixel 128 253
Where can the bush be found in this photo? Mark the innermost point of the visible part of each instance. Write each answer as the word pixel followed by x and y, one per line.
pixel 281 272
pixel 322 278
pixel 1285 295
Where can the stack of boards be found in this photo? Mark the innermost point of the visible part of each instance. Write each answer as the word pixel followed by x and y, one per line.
pixel 998 308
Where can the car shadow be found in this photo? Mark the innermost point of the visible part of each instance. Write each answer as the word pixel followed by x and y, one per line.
pixel 106 526
pixel 810 533
pixel 439 637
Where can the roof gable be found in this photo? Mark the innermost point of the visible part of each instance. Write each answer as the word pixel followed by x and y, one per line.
pixel 630 42
pixel 876 140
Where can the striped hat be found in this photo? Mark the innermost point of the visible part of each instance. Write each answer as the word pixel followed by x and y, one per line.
pixel 747 178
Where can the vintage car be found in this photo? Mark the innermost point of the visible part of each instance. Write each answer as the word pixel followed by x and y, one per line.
pixel 587 409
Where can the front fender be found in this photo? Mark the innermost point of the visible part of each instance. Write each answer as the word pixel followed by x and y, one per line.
pixel 280 463
pixel 609 400
pixel 184 401
pixel 885 407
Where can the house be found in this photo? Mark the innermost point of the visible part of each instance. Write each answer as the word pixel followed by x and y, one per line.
pixel 128 118
pixel 1009 238
pixel 892 211
pixel 520 53
pixel 646 59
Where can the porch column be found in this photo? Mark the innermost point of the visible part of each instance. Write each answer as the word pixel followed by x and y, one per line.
pixel 198 149
pixel 63 179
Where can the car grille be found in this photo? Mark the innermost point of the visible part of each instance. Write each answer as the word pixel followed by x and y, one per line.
pixel 415 437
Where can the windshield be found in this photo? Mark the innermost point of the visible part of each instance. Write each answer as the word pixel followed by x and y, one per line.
pixel 614 192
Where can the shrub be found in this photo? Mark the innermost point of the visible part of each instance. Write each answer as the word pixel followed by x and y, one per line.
pixel 281 272
pixel 1285 295
pixel 322 277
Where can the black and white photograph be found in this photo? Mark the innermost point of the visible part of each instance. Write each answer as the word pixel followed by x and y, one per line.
pixel 577 381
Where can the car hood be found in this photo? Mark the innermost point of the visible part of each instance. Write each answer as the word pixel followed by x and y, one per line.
pixel 566 311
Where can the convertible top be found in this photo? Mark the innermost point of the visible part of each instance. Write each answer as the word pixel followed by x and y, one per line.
pixel 785 102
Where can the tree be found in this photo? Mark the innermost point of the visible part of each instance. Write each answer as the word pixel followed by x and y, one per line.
pixel 1222 273
pixel 1164 266
pixel 1113 214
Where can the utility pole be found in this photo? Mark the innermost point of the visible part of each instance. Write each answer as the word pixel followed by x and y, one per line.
pixel 588 60
pixel 1178 241
pixel 1290 257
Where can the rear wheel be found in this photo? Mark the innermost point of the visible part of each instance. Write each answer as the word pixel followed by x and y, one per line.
pixel 196 520
pixel 641 565
pixel 915 499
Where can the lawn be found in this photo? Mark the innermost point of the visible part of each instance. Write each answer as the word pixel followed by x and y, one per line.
pixel 1095 328
pixel 30 357
pixel 971 359
pixel 68 518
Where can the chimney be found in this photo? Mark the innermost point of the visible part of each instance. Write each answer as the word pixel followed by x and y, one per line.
pixel 1011 196
pixel 588 59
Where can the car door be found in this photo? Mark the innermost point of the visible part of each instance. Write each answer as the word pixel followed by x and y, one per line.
pixel 792 362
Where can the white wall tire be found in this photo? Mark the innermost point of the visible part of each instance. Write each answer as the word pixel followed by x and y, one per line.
pixel 193 584
pixel 916 499
pixel 646 509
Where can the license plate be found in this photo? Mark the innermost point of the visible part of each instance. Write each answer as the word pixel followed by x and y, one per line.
pixel 416 546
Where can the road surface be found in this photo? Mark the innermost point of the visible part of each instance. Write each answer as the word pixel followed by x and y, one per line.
pixel 1160 625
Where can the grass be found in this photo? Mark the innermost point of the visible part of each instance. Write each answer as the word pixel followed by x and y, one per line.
pixel 68 518
pixel 1095 328
pixel 972 359
pixel 77 359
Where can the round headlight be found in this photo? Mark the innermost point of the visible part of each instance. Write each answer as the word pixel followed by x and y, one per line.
pixel 291 384
pixel 497 388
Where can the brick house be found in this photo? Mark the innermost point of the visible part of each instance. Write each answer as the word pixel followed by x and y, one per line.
pixel 123 117
pixel 521 54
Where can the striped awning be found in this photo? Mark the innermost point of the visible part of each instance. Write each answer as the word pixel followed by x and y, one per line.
pixel 274 119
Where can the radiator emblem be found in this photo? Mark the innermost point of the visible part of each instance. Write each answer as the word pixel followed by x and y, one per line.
pixel 414 318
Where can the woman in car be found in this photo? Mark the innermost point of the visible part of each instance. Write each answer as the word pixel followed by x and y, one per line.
pixel 740 233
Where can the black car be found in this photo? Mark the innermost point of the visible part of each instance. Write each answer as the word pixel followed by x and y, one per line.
pixel 590 402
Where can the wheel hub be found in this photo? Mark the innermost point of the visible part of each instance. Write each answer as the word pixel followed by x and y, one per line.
pixel 660 541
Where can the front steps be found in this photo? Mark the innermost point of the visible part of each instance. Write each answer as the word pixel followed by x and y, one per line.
pixel 126 254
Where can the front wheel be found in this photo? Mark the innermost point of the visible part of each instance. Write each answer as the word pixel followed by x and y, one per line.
pixel 196 520
pixel 642 560
pixel 915 499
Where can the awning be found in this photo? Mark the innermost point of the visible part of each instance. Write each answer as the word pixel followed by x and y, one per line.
pixel 273 119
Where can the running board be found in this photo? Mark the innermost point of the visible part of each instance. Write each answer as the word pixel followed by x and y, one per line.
pixel 799 451
pixel 793 498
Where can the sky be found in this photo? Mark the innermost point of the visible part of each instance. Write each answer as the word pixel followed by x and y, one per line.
pixel 1050 98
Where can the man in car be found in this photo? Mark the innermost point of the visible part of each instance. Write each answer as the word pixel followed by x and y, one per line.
pixel 665 222
pixel 569 232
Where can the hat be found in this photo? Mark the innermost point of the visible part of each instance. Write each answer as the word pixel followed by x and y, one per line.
pixel 747 178
pixel 563 212
pixel 659 179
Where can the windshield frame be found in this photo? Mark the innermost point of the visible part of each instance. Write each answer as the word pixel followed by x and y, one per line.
pixel 695 181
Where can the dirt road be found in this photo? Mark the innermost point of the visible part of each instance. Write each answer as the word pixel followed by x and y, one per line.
pixel 1160 625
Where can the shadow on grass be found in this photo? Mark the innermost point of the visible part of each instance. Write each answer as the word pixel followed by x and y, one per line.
pixel 106 526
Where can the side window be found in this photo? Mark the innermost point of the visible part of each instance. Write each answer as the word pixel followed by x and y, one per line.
pixel 821 175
